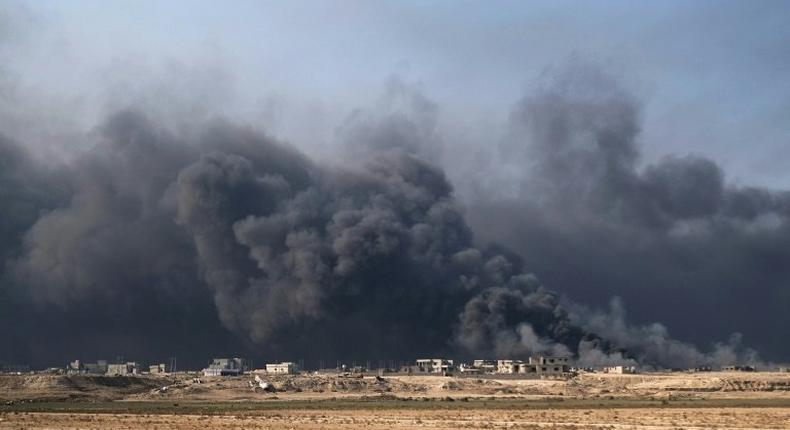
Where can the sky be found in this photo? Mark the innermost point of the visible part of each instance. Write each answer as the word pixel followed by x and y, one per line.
pixel 712 76
pixel 630 155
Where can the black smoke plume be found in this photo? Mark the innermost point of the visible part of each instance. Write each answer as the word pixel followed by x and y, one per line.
pixel 216 239
pixel 164 236
pixel 672 238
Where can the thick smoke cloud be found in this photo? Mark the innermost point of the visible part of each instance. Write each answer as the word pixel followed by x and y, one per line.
pixel 223 230
pixel 673 237
pixel 402 120
pixel 650 344
pixel 377 260
pixel 201 237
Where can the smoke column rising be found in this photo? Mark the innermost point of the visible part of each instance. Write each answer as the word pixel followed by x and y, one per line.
pixel 181 231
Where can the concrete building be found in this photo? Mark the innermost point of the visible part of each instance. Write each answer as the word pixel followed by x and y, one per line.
pixel 225 367
pixel 469 369
pixel 537 365
pixel 435 365
pixel 549 365
pixel 510 367
pixel 284 368
pixel 123 369
pixel 158 368
pixel 77 367
pixel 548 360
pixel 485 366
pixel 620 370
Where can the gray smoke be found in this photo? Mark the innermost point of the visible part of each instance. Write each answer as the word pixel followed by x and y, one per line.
pixel 199 237
pixel 671 237
pixel 650 345
pixel 223 228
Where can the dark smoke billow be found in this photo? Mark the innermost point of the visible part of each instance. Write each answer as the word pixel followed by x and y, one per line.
pixel 374 261
pixel 671 237
pixel 216 239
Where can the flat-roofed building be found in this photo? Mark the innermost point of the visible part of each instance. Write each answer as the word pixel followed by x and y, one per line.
pixel 485 366
pixel 441 366
pixel 284 368
pixel 620 370
pixel 512 367
pixel 78 367
pixel 123 369
pixel 537 365
pixel 158 368
pixel 225 367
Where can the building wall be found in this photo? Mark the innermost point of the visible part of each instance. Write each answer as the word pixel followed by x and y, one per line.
pixel 434 365
pixel 130 368
pixel 536 365
pixel 619 369
pixel 158 368
pixel 286 368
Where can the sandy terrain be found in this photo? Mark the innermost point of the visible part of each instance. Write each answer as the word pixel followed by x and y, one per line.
pixel 649 401
pixel 709 385
pixel 630 418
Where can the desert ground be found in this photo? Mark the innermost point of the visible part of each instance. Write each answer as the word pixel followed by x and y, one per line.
pixel 185 401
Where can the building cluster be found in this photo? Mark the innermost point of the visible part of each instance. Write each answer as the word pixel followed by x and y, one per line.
pixel 238 366
pixel 536 366
pixel 541 366
pixel 226 367
pixel 738 368
pixel 103 367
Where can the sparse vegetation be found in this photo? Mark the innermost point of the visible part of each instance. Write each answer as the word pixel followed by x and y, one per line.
pixel 709 401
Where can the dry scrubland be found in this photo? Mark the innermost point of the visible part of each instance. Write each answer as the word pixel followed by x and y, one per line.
pixel 651 401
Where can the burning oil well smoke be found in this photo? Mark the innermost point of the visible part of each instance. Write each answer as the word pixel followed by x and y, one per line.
pixel 160 237
pixel 370 261
pixel 293 255
pixel 586 214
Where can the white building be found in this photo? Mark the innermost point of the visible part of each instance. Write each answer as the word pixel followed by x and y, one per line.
pixel 225 367
pixel 435 365
pixel 122 369
pixel 538 365
pixel 620 370
pixel 284 368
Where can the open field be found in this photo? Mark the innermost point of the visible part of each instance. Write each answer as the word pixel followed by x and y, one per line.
pixel 650 401
pixel 582 418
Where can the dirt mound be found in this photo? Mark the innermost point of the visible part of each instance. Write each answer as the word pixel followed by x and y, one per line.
pixel 246 387
pixel 339 384
pixel 53 387
pixel 654 384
